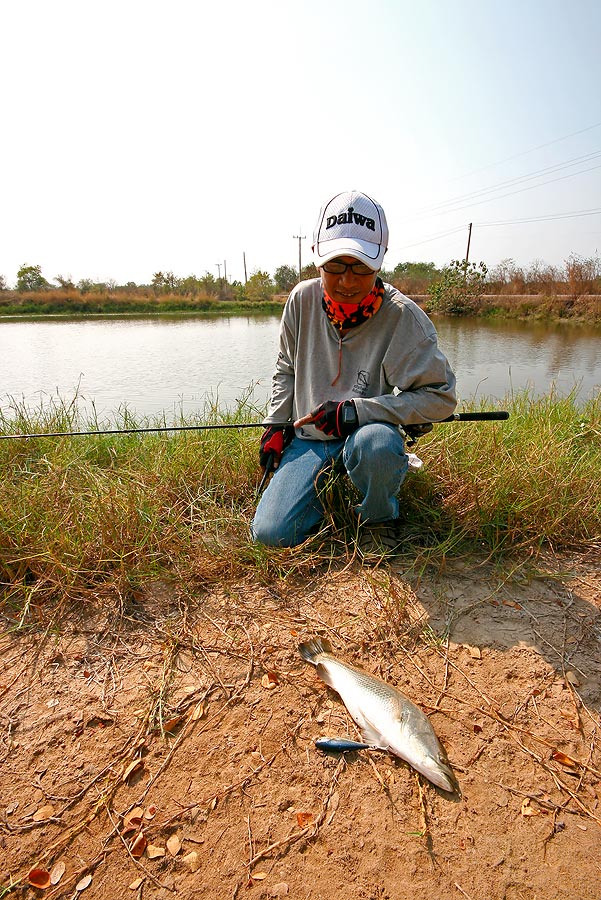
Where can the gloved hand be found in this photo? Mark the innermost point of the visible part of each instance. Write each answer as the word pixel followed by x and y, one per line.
pixel 336 419
pixel 274 440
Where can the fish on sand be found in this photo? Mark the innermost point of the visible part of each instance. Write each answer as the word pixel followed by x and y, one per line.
pixel 387 719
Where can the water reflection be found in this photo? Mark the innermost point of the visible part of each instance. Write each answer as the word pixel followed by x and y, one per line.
pixel 178 364
pixel 494 358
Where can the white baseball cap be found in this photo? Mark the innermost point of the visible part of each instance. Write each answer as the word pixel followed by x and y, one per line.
pixel 351 224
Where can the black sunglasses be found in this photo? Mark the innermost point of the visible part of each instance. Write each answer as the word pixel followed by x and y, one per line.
pixel 339 268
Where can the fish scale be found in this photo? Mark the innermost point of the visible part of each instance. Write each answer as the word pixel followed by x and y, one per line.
pixel 386 718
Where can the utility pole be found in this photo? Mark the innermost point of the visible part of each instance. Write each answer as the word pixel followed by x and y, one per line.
pixel 218 270
pixel 469 238
pixel 225 271
pixel 299 237
pixel 244 259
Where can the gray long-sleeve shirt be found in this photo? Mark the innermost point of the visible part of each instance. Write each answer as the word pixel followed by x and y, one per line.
pixel 390 365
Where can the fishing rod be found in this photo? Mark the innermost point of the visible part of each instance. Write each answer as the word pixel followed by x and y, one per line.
pixel 456 417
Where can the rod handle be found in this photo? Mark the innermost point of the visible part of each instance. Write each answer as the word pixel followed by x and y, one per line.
pixel 478 417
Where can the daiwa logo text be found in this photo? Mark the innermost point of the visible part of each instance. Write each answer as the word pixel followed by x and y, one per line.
pixel 348 218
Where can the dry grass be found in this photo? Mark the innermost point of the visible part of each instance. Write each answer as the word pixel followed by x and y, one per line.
pixel 82 517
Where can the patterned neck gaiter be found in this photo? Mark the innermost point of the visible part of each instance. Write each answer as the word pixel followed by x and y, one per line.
pixel 349 315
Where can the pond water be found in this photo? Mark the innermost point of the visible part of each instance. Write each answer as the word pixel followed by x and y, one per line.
pixel 177 365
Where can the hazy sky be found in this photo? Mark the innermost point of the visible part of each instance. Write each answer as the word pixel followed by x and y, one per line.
pixel 145 136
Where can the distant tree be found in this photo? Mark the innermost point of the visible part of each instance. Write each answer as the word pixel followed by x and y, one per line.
pixel 411 277
pixel 30 278
pixel 189 285
pixel 3 283
pixel 285 278
pixel 88 286
pixel 85 285
pixel 65 282
pixel 209 284
pixel 237 289
pixel 164 282
pixel 459 289
pixel 309 271
pixel 422 270
pixel 583 274
pixel 259 287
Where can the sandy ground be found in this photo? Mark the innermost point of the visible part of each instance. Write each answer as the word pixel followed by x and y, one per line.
pixel 168 749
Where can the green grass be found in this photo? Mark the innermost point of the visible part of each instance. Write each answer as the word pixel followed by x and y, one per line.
pixel 74 303
pixel 83 518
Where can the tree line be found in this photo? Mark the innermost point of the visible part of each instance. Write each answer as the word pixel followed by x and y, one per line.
pixel 456 288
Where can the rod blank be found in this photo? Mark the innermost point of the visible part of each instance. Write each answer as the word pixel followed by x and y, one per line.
pixel 456 417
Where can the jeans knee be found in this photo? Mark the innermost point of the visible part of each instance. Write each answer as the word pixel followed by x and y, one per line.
pixel 371 441
pixel 267 533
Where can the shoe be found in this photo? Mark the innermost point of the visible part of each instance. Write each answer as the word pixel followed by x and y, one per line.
pixel 380 539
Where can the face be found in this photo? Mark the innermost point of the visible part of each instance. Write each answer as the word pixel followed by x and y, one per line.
pixel 348 287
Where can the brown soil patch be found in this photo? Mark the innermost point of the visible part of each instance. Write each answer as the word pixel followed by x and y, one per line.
pixel 514 694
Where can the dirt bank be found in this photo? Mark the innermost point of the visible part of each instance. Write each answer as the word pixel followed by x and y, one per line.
pixel 234 799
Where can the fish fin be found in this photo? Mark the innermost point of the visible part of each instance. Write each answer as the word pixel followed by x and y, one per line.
pixel 372 736
pixel 324 674
pixel 315 647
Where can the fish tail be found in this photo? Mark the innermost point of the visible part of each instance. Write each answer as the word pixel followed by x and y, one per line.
pixel 309 650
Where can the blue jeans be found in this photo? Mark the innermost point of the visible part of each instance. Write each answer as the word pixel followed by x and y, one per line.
pixel 290 510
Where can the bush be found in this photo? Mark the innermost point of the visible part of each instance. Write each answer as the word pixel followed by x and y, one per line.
pixel 459 289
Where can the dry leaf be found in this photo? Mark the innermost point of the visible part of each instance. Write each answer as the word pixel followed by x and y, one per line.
pixel 475 652
pixel 153 852
pixel 136 813
pixel 44 812
pixel 199 712
pixel 174 845
pixel 563 759
pixel 150 811
pixel 57 872
pixel 40 879
pixel 192 861
pixel 269 681
pixel 573 679
pixel 134 766
pixel 83 883
pixel 138 846
pixel 527 809
pixel 172 724
pixel 136 884
pixel 133 820
pixel 259 876
pixel 132 824
pixel 303 818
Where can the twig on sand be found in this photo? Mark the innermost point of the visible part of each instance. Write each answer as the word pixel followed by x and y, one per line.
pixel 309 831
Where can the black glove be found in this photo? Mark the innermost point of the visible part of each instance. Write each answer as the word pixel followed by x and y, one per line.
pixel 274 440
pixel 336 419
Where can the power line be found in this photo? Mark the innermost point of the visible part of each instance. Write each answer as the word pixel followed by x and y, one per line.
pixel 587 157
pixel 571 215
pixel 442 234
pixel 435 237
pixel 530 187
pixel 526 152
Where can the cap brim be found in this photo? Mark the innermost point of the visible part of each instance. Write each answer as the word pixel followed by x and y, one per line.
pixel 371 255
